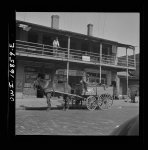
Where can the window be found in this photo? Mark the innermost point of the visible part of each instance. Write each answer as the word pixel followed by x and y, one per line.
pixel 97 80
pixel 107 49
pixel 94 78
pixel 33 37
pixel 85 46
pixel 73 45
pixel 47 40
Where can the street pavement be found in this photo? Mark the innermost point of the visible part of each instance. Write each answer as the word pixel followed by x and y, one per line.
pixel 36 120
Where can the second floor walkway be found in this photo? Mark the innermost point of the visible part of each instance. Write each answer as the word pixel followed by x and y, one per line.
pixel 23 47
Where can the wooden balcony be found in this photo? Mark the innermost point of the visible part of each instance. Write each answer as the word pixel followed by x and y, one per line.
pixel 40 50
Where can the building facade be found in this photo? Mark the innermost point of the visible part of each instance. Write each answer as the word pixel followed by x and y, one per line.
pixel 133 79
pixel 77 54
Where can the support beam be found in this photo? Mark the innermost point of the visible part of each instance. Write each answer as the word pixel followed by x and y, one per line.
pixel 100 73
pixel 117 85
pixel 100 59
pixel 134 57
pixel 68 60
pixel 127 71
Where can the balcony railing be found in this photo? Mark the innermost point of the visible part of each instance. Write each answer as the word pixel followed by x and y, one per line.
pixel 76 55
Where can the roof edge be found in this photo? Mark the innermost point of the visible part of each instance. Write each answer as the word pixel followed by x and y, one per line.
pixel 85 36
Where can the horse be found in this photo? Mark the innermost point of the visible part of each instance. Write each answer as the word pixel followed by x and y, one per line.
pixel 48 88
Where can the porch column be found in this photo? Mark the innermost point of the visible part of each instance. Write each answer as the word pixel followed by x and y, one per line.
pixel 68 59
pixel 100 59
pixel 127 71
pixel 108 77
pixel 134 57
pixel 118 85
pixel 114 51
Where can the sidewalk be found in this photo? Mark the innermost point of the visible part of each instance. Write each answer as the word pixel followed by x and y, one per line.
pixel 123 103
pixel 41 102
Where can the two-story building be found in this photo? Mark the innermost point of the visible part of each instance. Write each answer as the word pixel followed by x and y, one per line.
pixel 78 53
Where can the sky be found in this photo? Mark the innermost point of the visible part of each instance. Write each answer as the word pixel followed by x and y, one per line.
pixel 120 27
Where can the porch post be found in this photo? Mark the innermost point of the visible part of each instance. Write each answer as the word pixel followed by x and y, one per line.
pixel 134 57
pixel 100 59
pixel 43 50
pixel 127 70
pixel 68 59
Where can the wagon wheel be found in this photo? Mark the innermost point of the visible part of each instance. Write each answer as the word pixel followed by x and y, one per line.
pixel 48 101
pixel 105 101
pixel 91 102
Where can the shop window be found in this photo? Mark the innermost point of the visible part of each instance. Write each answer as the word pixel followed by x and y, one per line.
pixel 97 80
pixel 94 78
pixel 30 76
pixel 61 78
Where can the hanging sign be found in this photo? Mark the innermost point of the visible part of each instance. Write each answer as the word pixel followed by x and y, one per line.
pixel 86 58
pixel 71 72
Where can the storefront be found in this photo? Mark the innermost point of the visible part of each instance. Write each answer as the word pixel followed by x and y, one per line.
pixel 94 76
pixel 26 74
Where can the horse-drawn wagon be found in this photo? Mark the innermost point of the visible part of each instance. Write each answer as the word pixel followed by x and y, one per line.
pixel 96 95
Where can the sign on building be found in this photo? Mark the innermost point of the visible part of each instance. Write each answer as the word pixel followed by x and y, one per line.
pixel 86 58
pixel 71 72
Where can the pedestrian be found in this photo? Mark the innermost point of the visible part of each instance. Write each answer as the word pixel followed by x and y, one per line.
pixel 55 46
